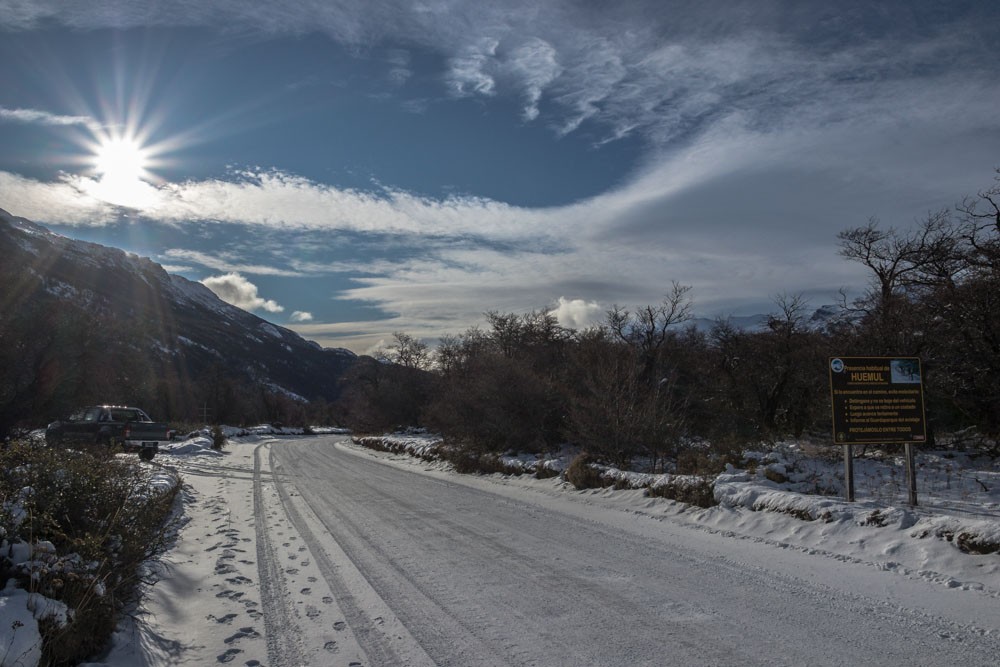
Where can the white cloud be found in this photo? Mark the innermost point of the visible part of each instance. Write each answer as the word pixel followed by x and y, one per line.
pixel 301 316
pixel 278 199
pixel 578 313
pixel 240 292
pixel 63 201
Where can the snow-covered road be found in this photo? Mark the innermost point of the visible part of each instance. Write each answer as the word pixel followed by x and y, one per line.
pixel 321 554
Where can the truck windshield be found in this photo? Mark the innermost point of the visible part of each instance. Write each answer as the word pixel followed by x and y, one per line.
pixel 88 415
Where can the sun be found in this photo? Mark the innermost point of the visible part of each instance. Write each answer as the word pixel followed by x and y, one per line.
pixel 121 159
pixel 121 164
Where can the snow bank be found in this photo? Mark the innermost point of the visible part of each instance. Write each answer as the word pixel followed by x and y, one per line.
pixel 20 638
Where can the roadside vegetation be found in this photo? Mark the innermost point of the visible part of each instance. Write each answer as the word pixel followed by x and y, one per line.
pixel 646 390
pixel 79 529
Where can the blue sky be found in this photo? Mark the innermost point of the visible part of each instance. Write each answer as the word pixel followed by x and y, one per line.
pixel 357 168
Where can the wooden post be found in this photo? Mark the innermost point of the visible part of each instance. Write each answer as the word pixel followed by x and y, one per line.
pixel 911 473
pixel 849 472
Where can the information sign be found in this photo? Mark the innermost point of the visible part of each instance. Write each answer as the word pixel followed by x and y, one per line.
pixel 877 400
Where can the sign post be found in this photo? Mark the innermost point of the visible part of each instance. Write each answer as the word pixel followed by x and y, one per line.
pixel 877 400
pixel 849 473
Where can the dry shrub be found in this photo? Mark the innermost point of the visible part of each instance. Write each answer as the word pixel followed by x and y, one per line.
pixel 468 461
pixel 775 476
pixel 543 472
pixel 583 475
pixel 700 491
pixel 218 438
pixel 876 518
pixel 104 521
pixel 705 462
pixel 972 543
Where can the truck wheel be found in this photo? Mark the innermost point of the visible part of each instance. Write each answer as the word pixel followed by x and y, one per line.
pixel 147 454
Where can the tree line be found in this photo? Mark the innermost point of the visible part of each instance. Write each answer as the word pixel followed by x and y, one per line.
pixel 647 384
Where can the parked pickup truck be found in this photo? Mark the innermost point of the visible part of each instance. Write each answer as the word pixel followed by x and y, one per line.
pixel 110 425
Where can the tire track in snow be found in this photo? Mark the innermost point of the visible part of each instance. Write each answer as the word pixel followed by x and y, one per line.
pixel 280 628
pixel 739 582
pixel 463 633
pixel 373 624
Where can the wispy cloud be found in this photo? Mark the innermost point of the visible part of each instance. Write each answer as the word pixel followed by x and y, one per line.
pixel 469 70
pixel 659 69
pixel 37 117
pixel 220 262
pixel 240 292
pixel 399 66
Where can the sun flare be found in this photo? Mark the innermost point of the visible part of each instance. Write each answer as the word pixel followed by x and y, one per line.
pixel 121 159
pixel 120 164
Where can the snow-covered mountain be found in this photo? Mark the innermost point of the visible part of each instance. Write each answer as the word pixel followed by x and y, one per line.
pixel 819 319
pixel 180 322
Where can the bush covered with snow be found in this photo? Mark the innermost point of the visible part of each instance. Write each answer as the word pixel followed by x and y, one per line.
pixel 77 528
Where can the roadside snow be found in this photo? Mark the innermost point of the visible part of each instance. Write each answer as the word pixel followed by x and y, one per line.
pixel 206 605
pixel 958 511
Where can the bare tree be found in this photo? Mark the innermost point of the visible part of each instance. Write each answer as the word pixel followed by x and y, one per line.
pixel 904 266
pixel 407 351
pixel 650 327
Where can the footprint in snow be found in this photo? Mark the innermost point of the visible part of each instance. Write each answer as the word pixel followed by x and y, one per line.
pixel 331 646
pixel 306 591
pixel 339 625
pixel 311 580
pixel 291 570
pixel 229 655
pixel 239 580
pixel 232 595
pixel 327 600
pixel 244 632
pixel 227 619
pixel 312 612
